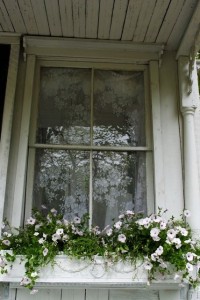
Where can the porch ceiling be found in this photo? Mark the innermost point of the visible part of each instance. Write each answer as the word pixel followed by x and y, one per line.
pixel 139 21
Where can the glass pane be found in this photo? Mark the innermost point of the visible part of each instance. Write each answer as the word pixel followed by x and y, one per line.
pixel 64 106
pixel 62 181
pixel 119 108
pixel 119 185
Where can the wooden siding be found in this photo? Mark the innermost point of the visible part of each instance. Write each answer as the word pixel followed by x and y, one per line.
pixel 149 21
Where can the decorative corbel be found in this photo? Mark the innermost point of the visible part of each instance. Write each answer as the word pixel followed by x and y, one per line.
pixel 193 52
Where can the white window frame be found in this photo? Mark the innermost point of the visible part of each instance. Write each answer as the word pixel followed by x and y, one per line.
pixel 33 145
pixel 126 56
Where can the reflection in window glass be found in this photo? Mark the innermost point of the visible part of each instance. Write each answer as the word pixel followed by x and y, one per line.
pixel 64 106
pixel 119 184
pixel 62 181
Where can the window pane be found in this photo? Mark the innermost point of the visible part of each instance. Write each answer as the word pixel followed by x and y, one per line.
pixel 64 106
pixel 119 185
pixel 119 108
pixel 62 181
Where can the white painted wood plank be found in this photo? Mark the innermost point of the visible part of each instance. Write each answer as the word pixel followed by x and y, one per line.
pixel 23 144
pixel 143 20
pixel 53 16
pixel 28 16
pixel 73 294
pixel 15 15
pixel 97 294
pixel 169 20
pixel 132 15
pixel 43 294
pixel 159 179
pixel 7 123
pixel 118 17
pixel 79 9
pixel 39 9
pixel 66 15
pixel 4 18
pixel 105 15
pixel 181 24
pixel 92 15
pixel 133 295
pixel 156 20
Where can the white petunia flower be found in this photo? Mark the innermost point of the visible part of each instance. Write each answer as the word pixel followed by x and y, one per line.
pixel 109 232
pixel 118 225
pixel 190 256
pixel 189 267
pixel 31 221
pixel 154 256
pixel 65 237
pixel 177 242
pixel 121 216
pixel 183 231
pixel 148 265
pixel 171 234
pixel 77 220
pixel 163 225
pixel 159 250
pixel 25 281
pixel 59 231
pixel 154 232
pixel 36 233
pixel 54 211
pixel 121 238
pixel 187 213
pixel 34 274
pixel 2 262
pixel 6 242
pixel 176 277
pixel 55 237
pixel 41 241
pixel 37 226
pixel 129 212
pixel 45 252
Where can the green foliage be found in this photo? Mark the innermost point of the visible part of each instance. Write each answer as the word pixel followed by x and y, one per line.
pixel 165 246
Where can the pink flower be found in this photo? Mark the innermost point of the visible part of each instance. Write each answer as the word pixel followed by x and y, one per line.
pixel 121 238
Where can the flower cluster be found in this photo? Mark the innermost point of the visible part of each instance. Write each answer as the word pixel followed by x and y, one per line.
pixel 166 247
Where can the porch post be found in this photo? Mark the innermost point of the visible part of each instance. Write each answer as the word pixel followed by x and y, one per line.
pixel 188 89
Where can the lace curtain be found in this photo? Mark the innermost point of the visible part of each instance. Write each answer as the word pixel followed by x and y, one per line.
pixel 99 108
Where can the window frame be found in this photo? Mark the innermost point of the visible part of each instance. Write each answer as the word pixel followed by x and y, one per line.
pixel 32 145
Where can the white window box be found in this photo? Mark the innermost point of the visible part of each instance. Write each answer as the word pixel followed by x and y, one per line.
pixel 84 273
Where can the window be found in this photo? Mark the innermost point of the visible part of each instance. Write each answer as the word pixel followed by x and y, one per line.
pixel 89 141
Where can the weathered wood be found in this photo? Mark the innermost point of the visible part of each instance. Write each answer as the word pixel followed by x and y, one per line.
pixel 132 15
pixel 169 20
pixel 43 294
pixel 66 16
pixel 143 20
pixel 156 20
pixel 40 16
pixel 5 19
pixel 73 294
pixel 118 18
pixel 92 16
pixel 53 16
pixel 97 294
pixel 79 18
pixel 28 16
pixel 15 16
pixel 105 15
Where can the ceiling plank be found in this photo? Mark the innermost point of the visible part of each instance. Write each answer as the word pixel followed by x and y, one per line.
pixel 40 16
pixel 156 20
pixel 143 20
pixel 118 17
pixel 5 19
pixel 169 20
pixel 53 16
pixel 92 15
pixel 66 18
pixel 15 16
pixel 79 18
pixel 132 15
pixel 28 16
pixel 181 24
pixel 105 15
